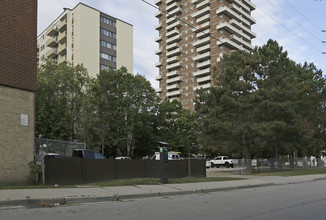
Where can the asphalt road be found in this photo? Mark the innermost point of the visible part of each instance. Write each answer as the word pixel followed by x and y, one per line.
pixel 293 201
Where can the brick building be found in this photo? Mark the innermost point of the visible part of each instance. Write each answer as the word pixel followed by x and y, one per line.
pixel 18 72
pixel 188 51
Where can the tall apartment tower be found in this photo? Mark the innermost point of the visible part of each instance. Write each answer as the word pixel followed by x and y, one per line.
pixel 18 71
pixel 188 51
pixel 84 35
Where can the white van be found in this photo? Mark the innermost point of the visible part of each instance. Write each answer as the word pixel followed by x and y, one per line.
pixel 171 156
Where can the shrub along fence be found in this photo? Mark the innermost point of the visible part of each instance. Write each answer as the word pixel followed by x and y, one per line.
pixel 67 171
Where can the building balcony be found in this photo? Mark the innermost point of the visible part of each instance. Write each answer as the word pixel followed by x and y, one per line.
pixel 202 4
pixel 240 4
pixel 158 27
pixel 158 2
pixel 173 66
pixel 172 33
pixel 63 25
pixel 201 12
pixel 172 74
pixel 232 14
pixel 204 64
pixel 170 1
pixel 243 13
pixel 202 72
pixel 158 14
pixel 173 80
pixel 171 20
pixel 204 48
pixel 231 44
pixel 159 64
pixel 158 51
pixel 173 93
pixel 172 6
pixel 203 33
pixel 175 24
pixel 174 12
pixel 203 19
pixel 173 39
pixel 172 46
pixel 158 39
pixel 233 30
pixel 238 40
pixel 195 1
pixel 172 59
pixel 62 50
pixel 202 42
pixel 203 56
pixel 204 79
pixel 52 53
pixel 244 29
pixel 158 90
pixel 159 77
pixel 62 37
pixel 173 52
pixel 202 27
pixel 172 87
pixel 62 59
pixel 52 42
pixel 53 30
pixel 203 86
pixel 251 5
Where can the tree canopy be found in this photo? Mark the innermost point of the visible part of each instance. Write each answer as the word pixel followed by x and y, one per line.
pixel 263 105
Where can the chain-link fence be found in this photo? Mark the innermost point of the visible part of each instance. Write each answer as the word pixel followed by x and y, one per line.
pixel 54 147
pixel 48 147
pixel 243 166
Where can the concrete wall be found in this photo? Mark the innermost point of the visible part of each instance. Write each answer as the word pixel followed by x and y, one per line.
pixel 125 45
pixel 87 38
pixel 16 134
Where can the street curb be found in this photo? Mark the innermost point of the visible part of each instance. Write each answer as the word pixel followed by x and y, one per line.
pixel 69 200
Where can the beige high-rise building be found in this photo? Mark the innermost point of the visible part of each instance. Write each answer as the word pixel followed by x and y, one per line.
pixel 84 35
pixel 188 51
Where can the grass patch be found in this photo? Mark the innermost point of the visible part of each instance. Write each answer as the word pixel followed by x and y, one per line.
pixel 156 181
pixel 34 186
pixel 294 172
pixel 124 182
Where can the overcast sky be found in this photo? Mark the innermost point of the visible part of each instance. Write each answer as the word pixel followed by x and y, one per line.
pixel 295 24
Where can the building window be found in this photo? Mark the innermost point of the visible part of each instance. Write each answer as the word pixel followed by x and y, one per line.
pixel 108 21
pixel 108 33
pixel 103 67
pixel 108 45
pixel 108 57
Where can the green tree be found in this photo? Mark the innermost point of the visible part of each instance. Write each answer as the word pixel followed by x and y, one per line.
pixel 177 126
pixel 263 104
pixel 121 109
pixel 61 92
pixel 227 110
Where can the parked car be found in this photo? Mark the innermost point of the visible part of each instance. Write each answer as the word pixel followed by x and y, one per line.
pixel 87 154
pixel 123 158
pixel 222 161
pixel 208 164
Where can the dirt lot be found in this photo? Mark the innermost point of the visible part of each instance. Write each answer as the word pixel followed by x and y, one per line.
pixel 215 172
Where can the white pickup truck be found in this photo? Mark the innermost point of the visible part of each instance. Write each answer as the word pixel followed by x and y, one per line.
pixel 221 161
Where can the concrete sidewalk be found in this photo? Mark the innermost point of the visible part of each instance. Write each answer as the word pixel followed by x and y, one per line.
pixel 60 196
